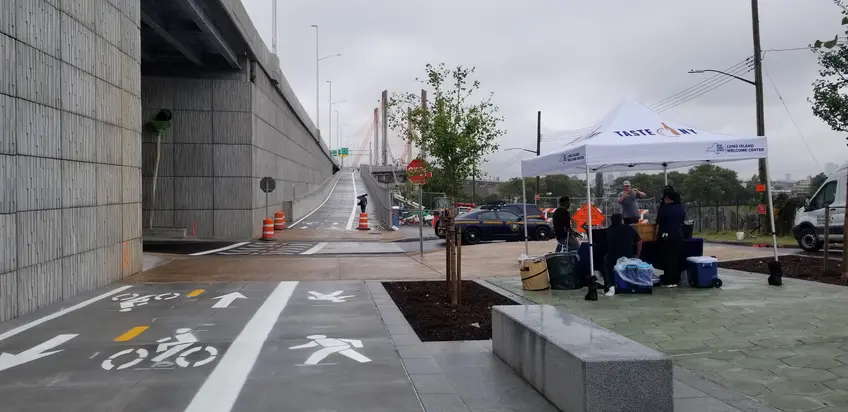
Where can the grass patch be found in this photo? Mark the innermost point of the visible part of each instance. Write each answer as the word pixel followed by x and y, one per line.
pixel 730 236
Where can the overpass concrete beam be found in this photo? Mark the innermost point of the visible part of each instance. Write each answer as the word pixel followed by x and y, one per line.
pixel 159 28
pixel 204 22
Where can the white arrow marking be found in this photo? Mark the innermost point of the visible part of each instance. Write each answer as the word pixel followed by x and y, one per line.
pixel 332 297
pixel 7 360
pixel 227 299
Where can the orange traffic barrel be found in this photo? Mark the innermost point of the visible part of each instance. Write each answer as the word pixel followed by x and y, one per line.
pixel 279 220
pixel 267 229
pixel 363 221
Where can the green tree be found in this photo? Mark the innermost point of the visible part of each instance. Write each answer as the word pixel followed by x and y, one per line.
pixel 711 184
pixel 559 185
pixel 454 131
pixel 829 100
pixel 599 186
pixel 652 183
pixel 816 182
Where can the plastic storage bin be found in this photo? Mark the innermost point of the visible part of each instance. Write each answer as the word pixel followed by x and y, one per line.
pixel 562 271
pixel 643 271
pixel 702 272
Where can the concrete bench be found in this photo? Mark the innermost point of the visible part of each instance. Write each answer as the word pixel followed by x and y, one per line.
pixel 579 366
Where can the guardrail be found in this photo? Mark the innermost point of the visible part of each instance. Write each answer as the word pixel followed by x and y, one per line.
pixel 380 196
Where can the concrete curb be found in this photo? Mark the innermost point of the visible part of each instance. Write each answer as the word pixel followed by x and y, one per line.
pixel 735 243
pixel 414 239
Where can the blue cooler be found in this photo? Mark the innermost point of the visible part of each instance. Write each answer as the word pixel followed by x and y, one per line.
pixel 702 272
pixel 642 271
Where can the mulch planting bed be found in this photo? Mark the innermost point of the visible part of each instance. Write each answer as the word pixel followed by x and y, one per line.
pixel 796 267
pixel 433 318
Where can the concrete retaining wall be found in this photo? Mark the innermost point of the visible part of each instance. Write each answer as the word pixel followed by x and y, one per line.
pixel 302 206
pixel 70 177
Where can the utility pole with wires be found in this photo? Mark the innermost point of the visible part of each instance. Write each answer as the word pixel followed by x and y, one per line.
pixel 758 85
pixel 538 149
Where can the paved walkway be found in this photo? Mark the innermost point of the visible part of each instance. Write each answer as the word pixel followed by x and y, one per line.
pixel 786 347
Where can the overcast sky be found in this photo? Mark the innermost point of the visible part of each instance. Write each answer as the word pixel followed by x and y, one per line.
pixel 573 60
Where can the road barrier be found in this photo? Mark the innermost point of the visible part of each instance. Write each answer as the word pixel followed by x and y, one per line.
pixel 267 229
pixel 379 194
pixel 363 222
pixel 279 220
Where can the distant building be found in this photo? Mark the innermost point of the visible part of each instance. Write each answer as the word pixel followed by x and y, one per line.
pixel 830 168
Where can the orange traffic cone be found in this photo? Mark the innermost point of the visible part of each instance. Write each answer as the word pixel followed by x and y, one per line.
pixel 267 229
pixel 363 222
pixel 279 220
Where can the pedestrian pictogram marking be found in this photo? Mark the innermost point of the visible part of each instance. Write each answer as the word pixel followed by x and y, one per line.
pixel 131 334
pixel 329 346
pixel 195 293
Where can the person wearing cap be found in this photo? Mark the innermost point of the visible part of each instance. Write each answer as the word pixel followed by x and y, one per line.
pixel 629 205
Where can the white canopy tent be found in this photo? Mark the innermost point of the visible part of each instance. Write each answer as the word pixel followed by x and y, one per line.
pixel 635 138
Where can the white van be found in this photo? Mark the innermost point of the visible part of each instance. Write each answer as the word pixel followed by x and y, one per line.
pixel 809 220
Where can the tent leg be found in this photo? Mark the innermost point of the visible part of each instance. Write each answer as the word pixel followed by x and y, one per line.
pixel 665 173
pixel 589 208
pixel 771 210
pixel 524 205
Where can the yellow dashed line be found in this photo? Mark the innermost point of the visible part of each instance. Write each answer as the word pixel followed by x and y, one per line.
pixel 131 334
pixel 195 293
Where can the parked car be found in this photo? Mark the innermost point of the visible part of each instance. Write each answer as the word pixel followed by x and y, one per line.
pixel 502 224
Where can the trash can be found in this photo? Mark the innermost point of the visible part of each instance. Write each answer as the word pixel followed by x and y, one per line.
pixel 534 274
pixel 562 270
pixel 688 229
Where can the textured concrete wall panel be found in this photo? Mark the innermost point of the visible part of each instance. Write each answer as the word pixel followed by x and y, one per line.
pixel 234 224
pixel 233 193
pixel 109 182
pixel 232 127
pixel 190 126
pixel 83 11
pixel 37 76
pixel 7 25
pixel 130 75
pixel 162 218
pixel 130 185
pixel 8 124
pixel 110 143
pixel 233 160
pixel 38 129
pixel 79 230
pixel 37 238
pixel 79 184
pixel 192 94
pixel 198 222
pixel 131 37
pixel 164 193
pixel 157 93
pixel 78 91
pixel 8 243
pixel 231 95
pixel 37 24
pixel 131 219
pixel 108 105
pixel 130 111
pixel 193 159
pixel 148 159
pixel 109 258
pixel 193 192
pixel 108 22
pixel 108 66
pixel 8 296
pixel 39 285
pixel 132 257
pixel 131 148
pixel 8 65
pixel 39 183
pixel 79 140
pixel 8 184
pixel 79 44
pixel 79 273
pixel 109 225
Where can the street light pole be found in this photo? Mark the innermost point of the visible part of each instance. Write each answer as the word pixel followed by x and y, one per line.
pixel 538 148
pixel 274 26
pixel 330 113
pixel 317 82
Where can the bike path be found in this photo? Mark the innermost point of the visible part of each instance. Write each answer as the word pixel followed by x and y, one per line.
pixel 327 354
pixel 236 352
pixel 81 375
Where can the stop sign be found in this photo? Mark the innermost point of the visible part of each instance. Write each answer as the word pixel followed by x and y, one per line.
pixel 417 172
pixel 761 209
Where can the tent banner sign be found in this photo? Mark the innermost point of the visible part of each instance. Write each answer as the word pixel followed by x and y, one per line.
pixel 572 156
pixel 735 148
pixel 665 130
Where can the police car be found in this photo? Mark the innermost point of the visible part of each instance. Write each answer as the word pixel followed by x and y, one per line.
pixel 501 224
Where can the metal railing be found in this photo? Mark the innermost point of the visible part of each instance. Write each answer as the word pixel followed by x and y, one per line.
pixel 380 196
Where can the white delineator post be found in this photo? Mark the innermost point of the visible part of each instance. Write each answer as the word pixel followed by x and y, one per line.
pixel 524 205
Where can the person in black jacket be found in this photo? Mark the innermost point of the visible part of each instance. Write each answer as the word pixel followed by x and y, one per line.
pixel 670 218
pixel 622 241
pixel 562 225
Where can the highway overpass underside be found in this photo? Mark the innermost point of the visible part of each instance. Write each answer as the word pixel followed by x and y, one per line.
pixel 79 83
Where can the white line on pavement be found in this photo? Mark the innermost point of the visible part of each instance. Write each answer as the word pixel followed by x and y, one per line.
pixel 206 252
pixel 55 315
pixel 319 206
pixel 353 212
pixel 222 387
pixel 315 249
